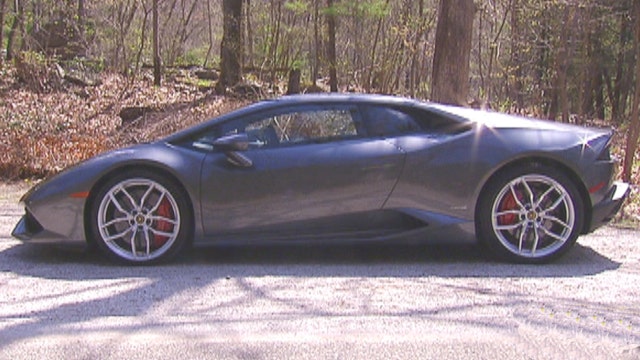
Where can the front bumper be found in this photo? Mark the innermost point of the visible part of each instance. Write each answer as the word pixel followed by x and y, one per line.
pixel 606 209
pixel 28 229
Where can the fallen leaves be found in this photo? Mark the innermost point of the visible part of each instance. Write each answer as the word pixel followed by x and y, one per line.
pixel 42 133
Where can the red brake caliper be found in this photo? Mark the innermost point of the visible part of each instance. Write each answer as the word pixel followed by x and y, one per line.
pixel 164 210
pixel 508 203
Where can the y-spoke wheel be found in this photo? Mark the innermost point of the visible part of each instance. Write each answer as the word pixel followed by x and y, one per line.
pixel 530 214
pixel 139 217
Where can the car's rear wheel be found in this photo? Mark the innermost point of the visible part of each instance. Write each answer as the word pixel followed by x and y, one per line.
pixel 140 217
pixel 530 214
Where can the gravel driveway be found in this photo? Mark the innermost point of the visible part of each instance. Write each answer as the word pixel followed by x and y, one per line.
pixel 343 302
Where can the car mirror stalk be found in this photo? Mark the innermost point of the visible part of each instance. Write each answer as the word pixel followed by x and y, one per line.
pixel 238 159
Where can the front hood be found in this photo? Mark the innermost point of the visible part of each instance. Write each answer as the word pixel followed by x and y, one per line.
pixel 78 177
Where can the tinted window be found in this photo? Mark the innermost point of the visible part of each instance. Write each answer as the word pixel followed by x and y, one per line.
pixel 383 121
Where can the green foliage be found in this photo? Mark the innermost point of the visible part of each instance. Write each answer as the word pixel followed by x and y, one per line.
pixel 298 64
pixel 299 7
pixel 371 8
pixel 194 56
pixel 374 9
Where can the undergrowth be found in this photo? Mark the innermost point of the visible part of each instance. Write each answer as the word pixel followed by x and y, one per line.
pixel 42 133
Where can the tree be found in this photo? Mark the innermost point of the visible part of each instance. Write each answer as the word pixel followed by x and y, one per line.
pixel 157 71
pixel 622 83
pixel 450 77
pixel 634 126
pixel 16 26
pixel 2 8
pixel 516 84
pixel 231 50
pixel 560 100
pixel 331 45
pixel 315 65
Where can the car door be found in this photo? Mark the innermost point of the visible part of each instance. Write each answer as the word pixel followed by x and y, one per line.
pixel 307 162
pixel 437 172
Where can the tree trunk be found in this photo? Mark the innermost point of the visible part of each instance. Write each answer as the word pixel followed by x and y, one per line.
pixel 210 34
pixel 591 65
pixel 450 78
pixel 276 15
pixel 413 70
pixel 331 46
pixel 143 37
pixel 600 109
pixel 543 61
pixel 16 26
pixel 622 84
pixel 560 96
pixel 516 50
pixel 317 44
pixel 157 71
pixel 293 85
pixel 249 38
pixel 3 4
pixel 81 22
pixel 369 79
pixel 231 47
pixel 124 14
pixel 634 123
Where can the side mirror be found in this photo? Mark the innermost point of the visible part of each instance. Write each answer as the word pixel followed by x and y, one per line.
pixel 236 142
pixel 231 145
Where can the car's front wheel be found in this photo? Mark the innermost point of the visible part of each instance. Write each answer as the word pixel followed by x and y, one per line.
pixel 530 214
pixel 140 217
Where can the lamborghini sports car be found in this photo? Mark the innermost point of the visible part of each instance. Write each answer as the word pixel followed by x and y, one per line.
pixel 336 168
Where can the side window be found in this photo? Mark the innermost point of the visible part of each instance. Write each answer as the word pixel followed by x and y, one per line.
pixel 286 128
pixel 384 121
pixel 298 127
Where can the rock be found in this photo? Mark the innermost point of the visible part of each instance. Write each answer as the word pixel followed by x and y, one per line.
pixel 81 78
pixel 313 89
pixel 247 89
pixel 59 37
pixel 131 113
pixel 206 88
pixel 206 75
pixel 83 94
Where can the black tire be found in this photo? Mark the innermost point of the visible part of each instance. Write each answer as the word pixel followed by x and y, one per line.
pixel 529 214
pixel 140 217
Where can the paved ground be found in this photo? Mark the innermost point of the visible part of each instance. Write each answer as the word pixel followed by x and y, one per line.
pixel 376 302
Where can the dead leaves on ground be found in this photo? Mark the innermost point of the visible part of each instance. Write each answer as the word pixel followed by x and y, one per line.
pixel 42 133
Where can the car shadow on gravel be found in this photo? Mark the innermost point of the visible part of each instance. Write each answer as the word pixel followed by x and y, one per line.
pixel 131 291
pixel 361 260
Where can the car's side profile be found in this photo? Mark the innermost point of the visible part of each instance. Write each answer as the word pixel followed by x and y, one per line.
pixel 337 168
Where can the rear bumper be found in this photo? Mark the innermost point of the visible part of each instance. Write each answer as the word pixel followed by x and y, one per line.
pixel 606 209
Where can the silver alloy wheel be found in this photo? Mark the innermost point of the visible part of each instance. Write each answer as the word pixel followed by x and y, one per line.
pixel 533 216
pixel 138 219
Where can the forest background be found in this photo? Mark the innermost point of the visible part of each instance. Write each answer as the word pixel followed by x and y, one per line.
pixel 78 77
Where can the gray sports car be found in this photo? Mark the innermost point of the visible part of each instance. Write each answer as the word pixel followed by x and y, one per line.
pixel 336 168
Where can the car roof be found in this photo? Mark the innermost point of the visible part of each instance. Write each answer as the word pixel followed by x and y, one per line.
pixel 344 97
